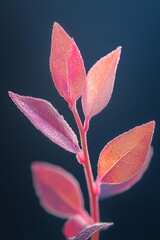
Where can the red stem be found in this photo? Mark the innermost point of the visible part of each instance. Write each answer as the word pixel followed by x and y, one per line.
pixel 94 206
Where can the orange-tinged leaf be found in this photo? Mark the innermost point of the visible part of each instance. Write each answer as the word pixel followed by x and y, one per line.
pixel 58 190
pixel 99 84
pixel 124 156
pixel 66 65
pixel 109 190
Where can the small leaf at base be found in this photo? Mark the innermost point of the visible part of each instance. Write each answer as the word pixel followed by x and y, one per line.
pixel 90 230
pixel 75 225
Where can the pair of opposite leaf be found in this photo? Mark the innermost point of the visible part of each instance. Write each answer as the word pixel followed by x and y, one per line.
pixel 121 163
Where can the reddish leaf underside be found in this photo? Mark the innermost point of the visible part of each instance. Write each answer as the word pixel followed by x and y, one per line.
pixel 109 190
pixel 66 65
pixel 58 190
pixel 99 84
pixel 90 230
pixel 124 156
pixel 47 119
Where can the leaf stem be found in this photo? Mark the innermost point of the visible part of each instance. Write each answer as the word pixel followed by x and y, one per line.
pixel 93 196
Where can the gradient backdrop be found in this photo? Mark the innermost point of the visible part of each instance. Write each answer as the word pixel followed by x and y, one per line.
pixel 98 28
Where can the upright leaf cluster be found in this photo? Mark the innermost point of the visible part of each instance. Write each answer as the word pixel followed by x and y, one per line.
pixel 122 162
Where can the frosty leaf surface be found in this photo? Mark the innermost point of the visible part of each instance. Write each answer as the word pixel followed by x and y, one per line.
pixel 90 230
pixel 124 156
pixel 58 191
pixel 99 84
pixel 66 65
pixel 47 119
pixel 109 190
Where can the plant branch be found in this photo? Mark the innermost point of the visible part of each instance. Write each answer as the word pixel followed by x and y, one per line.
pixel 94 206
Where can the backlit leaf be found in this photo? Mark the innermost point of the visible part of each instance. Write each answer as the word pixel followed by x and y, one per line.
pixel 58 190
pixel 99 84
pixel 76 73
pixel 124 156
pixel 90 230
pixel 75 225
pixel 66 65
pixel 46 119
pixel 109 190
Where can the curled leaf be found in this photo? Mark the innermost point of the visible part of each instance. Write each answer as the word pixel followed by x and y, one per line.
pixel 124 156
pixel 66 65
pixel 75 225
pixel 90 230
pixel 47 119
pixel 58 191
pixel 99 84
pixel 109 190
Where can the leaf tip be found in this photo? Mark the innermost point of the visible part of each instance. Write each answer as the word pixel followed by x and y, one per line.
pixel 151 125
pixel 35 167
pixel 11 94
pixel 56 25
pixel 117 52
pixel 119 48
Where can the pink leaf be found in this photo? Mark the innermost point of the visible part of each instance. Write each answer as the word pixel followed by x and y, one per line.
pixel 99 84
pixel 109 190
pixel 75 225
pixel 76 73
pixel 46 119
pixel 66 65
pixel 90 230
pixel 58 190
pixel 124 156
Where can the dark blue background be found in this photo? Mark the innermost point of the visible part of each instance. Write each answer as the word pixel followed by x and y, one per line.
pixel 98 28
